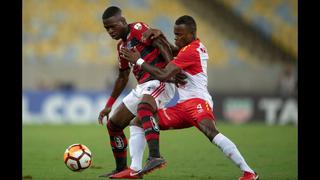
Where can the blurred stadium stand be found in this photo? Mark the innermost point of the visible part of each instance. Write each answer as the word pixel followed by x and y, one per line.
pixel 276 19
pixel 248 41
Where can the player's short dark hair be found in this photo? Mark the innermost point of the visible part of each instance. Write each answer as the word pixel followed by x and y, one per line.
pixel 188 21
pixel 111 11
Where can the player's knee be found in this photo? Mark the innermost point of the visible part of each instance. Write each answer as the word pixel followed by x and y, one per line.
pixel 135 122
pixel 148 99
pixel 113 126
pixel 213 133
pixel 208 127
pixel 146 105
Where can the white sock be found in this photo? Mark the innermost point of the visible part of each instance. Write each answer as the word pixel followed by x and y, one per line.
pixel 137 144
pixel 230 150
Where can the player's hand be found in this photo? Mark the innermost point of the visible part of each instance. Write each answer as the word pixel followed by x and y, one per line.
pixel 130 55
pixel 104 112
pixel 180 79
pixel 151 33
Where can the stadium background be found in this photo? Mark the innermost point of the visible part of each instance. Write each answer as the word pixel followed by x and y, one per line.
pixel 70 63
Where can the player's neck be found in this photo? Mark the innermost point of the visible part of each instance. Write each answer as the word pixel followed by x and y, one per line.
pixel 194 38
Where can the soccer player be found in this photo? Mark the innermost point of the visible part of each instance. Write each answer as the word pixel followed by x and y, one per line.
pixel 194 107
pixel 145 99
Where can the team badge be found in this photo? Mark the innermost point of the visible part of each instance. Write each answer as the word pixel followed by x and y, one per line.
pixel 119 142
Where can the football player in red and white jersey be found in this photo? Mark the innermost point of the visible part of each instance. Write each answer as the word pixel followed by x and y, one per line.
pixel 149 95
pixel 194 107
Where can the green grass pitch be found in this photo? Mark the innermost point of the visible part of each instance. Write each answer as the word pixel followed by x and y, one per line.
pixel 270 150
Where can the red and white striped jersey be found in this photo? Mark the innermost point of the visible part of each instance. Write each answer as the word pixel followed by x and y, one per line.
pixel 149 53
pixel 193 59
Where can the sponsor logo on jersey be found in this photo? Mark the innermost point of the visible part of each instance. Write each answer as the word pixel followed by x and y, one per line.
pixel 137 26
pixel 151 88
pixel 119 142
pixel 203 50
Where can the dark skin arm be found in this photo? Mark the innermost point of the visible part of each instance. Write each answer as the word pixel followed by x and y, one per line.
pixel 161 74
pixel 120 83
pixel 164 48
pixel 119 86
pixel 156 33
pixel 167 51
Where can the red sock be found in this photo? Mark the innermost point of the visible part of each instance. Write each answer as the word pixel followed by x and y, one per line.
pixel 118 142
pixel 151 128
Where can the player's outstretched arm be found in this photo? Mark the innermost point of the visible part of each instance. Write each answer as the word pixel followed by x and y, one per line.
pixel 119 86
pixel 161 74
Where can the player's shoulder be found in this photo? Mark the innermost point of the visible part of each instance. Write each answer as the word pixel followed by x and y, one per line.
pixel 138 27
pixel 195 46
pixel 190 48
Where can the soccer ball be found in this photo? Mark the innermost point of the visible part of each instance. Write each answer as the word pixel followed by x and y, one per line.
pixel 77 157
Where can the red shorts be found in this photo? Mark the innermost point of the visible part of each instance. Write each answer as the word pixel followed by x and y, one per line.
pixel 184 115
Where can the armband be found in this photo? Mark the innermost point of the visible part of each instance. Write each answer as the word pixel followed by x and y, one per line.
pixel 110 101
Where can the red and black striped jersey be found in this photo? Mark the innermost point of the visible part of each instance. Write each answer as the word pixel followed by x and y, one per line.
pixel 149 53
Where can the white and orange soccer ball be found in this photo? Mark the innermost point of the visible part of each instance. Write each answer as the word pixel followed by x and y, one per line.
pixel 77 157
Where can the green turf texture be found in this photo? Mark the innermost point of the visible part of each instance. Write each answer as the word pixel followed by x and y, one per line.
pixel 269 150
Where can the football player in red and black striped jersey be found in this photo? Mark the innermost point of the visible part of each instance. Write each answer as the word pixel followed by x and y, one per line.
pixel 144 100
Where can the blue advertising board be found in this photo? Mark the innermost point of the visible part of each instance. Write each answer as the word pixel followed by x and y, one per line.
pixel 82 107
pixel 66 106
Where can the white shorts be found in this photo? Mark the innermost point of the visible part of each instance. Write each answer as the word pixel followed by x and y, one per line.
pixel 163 92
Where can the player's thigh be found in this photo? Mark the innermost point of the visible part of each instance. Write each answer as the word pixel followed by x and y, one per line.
pixel 135 122
pixel 132 100
pixel 173 118
pixel 201 115
pixel 122 116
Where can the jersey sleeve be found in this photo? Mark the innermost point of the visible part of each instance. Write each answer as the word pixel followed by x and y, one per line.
pixel 138 29
pixel 185 58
